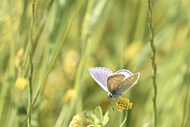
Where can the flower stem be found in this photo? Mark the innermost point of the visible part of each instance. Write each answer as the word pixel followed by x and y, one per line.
pixel 153 57
pixel 186 101
pixel 30 74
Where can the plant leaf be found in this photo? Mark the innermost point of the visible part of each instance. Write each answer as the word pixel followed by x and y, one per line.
pixel 105 119
pixel 89 116
pixel 98 113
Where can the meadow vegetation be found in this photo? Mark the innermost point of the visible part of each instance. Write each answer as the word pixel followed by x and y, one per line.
pixel 47 46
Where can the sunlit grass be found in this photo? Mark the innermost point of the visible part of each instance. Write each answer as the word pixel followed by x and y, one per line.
pixel 71 36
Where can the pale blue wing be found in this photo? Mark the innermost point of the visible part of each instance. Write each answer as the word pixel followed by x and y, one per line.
pixel 100 75
pixel 128 83
pixel 124 72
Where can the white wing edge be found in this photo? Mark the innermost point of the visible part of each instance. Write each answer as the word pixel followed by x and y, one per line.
pixel 125 72
pixel 137 78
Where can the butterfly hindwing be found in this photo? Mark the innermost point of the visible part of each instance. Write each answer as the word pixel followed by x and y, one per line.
pixel 128 83
pixel 114 81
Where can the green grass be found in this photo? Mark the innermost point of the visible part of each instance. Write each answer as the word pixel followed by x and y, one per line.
pixel 60 40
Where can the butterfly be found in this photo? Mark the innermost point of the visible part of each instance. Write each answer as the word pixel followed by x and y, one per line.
pixel 114 83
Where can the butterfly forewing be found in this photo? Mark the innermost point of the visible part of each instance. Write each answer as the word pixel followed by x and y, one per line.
pixel 114 81
pixel 100 75
pixel 127 83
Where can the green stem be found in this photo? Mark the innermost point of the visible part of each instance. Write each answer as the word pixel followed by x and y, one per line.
pixel 34 43
pixel 86 31
pixel 58 48
pixel 30 75
pixel 185 108
pixel 151 29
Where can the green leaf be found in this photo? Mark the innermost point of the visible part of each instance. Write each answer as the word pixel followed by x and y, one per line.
pixel 105 119
pixel 96 119
pixel 98 113
pixel 89 116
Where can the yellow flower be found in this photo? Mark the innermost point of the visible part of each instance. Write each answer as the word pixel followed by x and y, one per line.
pixel 123 103
pixel 76 121
pixel 21 83
pixel 69 95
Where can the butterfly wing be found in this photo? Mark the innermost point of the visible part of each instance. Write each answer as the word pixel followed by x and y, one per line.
pixel 128 83
pixel 114 81
pixel 124 72
pixel 100 75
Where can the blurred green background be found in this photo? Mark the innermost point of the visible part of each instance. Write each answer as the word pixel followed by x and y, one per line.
pixel 71 36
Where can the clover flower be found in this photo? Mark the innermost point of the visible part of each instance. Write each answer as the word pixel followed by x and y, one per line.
pixel 123 103
pixel 76 121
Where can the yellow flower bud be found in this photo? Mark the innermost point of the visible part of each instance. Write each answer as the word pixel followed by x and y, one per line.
pixel 69 95
pixel 21 83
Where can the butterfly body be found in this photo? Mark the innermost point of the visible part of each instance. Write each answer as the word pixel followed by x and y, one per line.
pixel 114 83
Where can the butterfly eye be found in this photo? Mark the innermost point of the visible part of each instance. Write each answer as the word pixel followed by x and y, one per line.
pixel 110 96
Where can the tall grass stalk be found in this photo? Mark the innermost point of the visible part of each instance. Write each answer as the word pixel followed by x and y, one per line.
pixel 85 39
pixel 31 47
pixel 30 75
pixel 153 58
pixel 183 124
pixel 124 114
pixel 57 50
